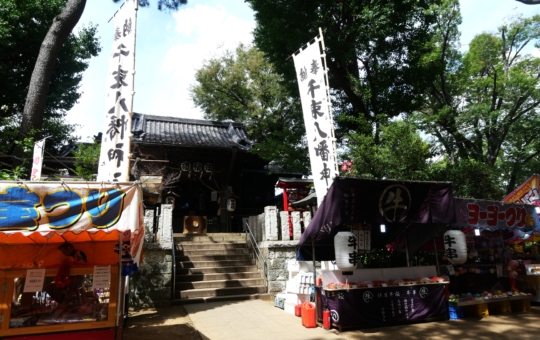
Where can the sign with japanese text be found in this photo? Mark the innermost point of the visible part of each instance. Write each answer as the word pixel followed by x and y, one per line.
pixel 527 193
pixel 384 305
pixel 37 160
pixel 101 277
pixel 115 144
pixel 313 88
pixel 34 280
pixel 495 215
pixel 57 207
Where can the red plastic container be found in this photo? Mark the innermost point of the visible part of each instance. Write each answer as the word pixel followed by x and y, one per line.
pixel 308 315
pixel 327 323
pixel 298 310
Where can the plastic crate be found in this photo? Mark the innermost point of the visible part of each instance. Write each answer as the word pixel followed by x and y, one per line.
pixel 521 305
pixel 480 310
pixel 456 312
pixel 501 307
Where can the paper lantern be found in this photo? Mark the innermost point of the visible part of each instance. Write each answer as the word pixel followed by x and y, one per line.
pixel 197 167
pixel 185 166
pixel 455 246
pixel 231 204
pixel 345 245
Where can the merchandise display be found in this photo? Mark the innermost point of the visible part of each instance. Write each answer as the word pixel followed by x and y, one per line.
pixel 76 302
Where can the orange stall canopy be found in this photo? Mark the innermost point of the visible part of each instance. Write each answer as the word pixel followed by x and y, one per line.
pixel 42 222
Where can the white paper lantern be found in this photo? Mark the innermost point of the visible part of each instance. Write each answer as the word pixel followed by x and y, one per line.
pixel 231 204
pixel 455 246
pixel 345 245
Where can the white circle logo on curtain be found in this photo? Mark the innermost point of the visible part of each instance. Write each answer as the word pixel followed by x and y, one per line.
pixel 423 292
pixel 394 200
pixel 368 296
pixel 334 315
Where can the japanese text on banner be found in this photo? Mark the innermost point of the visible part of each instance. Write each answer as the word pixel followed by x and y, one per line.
pixel 114 162
pixel 315 106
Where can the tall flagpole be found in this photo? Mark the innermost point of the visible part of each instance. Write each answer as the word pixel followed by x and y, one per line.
pixel 329 101
pixel 130 135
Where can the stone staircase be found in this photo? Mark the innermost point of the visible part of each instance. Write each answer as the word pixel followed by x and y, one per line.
pixel 216 267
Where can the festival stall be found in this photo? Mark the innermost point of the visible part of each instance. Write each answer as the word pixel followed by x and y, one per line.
pixel 358 215
pixel 65 251
pixel 492 257
pixel 529 193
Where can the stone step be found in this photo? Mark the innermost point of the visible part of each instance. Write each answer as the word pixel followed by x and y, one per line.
pixel 264 296
pixel 209 270
pixel 218 276
pixel 208 292
pixel 195 258
pixel 225 245
pixel 184 286
pixel 206 264
pixel 236 251
pixel 209 235
pixel 209 238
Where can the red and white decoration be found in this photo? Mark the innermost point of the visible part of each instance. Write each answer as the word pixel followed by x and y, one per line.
pixel 37 160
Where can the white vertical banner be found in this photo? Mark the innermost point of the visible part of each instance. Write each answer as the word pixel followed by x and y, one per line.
pixel 37 160
pixel 115 143
pixel 361 240
pixel 311 75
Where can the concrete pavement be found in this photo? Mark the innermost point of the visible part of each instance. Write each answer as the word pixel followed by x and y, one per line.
pixel 251 320
pixel 257 319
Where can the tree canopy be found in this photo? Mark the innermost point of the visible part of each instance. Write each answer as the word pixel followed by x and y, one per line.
pixel 23 25
pixel 374 50
pixel 484 106
pixel 243 86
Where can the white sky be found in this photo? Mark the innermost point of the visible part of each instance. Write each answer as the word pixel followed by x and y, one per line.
pixel 171 46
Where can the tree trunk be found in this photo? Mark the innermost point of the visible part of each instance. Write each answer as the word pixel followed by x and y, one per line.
pixel 38 90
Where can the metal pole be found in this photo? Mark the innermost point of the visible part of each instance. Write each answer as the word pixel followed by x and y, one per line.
pixel 436 256
pixel 120 292
pixel 314 280
pixel 406 247
pixel 132 86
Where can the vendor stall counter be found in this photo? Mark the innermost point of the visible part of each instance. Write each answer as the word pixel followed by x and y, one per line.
pixel 379 297
pixel 66 250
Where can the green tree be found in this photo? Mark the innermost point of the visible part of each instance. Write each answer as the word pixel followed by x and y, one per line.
pixel 400 153
pixel 243 86
pixel 57 35
pixel 374 50
pixel 483 108
pixel 86 160
pixel 23 24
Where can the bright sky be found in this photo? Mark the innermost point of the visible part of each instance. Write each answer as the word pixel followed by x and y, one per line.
pixel 172 46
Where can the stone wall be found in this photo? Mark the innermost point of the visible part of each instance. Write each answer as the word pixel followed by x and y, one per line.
pixel 151 286
pixel 277 253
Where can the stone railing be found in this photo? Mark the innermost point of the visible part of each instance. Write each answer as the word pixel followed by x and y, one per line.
pixel 272 232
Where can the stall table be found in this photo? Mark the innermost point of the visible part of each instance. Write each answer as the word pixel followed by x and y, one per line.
pixel 382 306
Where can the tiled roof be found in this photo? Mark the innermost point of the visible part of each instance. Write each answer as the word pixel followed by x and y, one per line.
pixel 151 129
